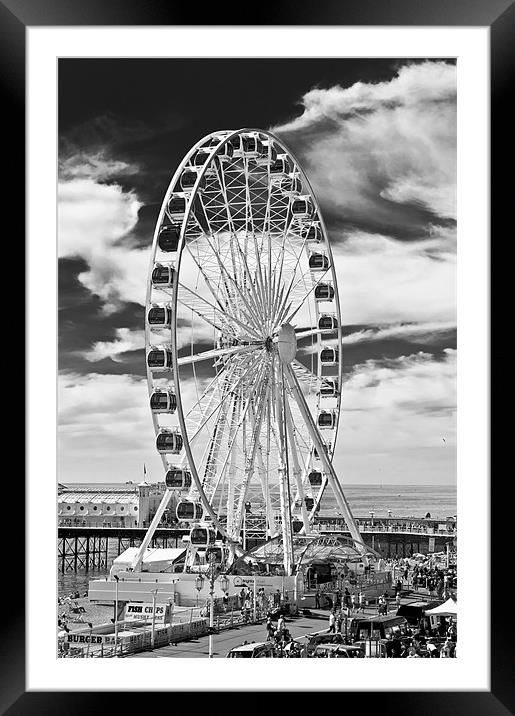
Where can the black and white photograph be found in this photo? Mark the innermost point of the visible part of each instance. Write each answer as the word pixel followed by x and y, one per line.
pixel 257 351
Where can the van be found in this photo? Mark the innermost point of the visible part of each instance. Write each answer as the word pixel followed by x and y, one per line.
pixel 260 650
pixel 416 611
pixel 379 627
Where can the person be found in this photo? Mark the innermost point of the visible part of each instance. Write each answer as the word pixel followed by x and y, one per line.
pixel 270 629
pixel 361 602
pixel 280 624
pixel 277 598
pixel 317 598
pixel 412 653
pixel 225 601
pixel 332 622
pixel 242 597
pixel 432 649
pixel 347 597
pixel 389 646
pixel 398 600
pixel 338 622
pixel 353 601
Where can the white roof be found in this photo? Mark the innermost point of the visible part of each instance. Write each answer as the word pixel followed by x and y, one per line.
pixel 151 556
pixel 448 608
pixel 98 498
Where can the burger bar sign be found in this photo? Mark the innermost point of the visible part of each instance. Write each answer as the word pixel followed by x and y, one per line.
pixel 135 611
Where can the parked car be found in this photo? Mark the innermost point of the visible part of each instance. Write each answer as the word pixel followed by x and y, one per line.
pixel 259 650
pixel 337 651
pixel 320 638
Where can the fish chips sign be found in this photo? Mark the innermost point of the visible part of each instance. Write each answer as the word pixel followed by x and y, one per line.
pixel 135 611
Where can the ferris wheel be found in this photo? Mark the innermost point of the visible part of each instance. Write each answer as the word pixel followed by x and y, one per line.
pixel 243 337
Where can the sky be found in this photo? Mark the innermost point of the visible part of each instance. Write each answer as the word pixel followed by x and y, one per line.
pixel 377 139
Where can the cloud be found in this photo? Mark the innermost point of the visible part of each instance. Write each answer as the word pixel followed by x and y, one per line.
pixel 97 166
pixel 382 280
pixel 126 340
pixel 94 223
pixel 370 148
pixel 399 416
pixel 423 332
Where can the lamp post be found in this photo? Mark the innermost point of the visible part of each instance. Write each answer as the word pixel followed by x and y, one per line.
pixel 116 615
pixel 199 583
pixel 153 635
pixel 224 584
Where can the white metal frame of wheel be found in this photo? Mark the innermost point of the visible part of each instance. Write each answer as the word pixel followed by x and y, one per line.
pixel 243 341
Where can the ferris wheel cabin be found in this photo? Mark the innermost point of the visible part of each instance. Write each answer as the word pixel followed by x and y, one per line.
pixel 326 447
pixel 160 316
pixel 318 262
pixel 202 536
pixel 329 388
pixel 159 359
pixel 178 479
pixel 177 205
pixel 163 275
pixel 327 322
pixel 324 292
pixel 188 510
pixel 282 166
pixel 169 442
pixel 227 150
pixel 329 355
pixel 312 233
pixel 327 419
pixel 168 238
pixel 302 208
pixel 189 178
pixel 290 186
pixel 163 400
pixel 315 478
pixel 309 502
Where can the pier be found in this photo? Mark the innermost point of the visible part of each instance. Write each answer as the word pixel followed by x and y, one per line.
pixel 83 548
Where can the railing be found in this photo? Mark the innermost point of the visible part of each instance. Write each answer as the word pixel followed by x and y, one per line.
pixel 163 634
pixel 411 528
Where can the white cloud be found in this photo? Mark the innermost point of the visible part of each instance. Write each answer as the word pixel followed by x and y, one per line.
pixel 394 140
pixel 382 280
pixel 398 421
pixel 423 332
pixel 94 223
pixel 126 340
pixel 93 165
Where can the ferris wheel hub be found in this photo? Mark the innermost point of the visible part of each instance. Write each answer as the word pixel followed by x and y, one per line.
pixel 287 343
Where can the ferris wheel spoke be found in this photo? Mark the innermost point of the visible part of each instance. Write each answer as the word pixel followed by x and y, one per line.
pixel 224 314
pixel 298 472
pixel 256 424
pixel 253 312
pixel 328 466
pixel 229 390
pixel 216 354
pixel 305 296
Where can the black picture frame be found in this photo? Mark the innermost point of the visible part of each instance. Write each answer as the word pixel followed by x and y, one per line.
pixel 499 16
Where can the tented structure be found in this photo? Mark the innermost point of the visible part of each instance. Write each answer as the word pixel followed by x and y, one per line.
pixel 447 609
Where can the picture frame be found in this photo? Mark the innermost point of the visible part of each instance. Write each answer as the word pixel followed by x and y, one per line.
pixel 18 15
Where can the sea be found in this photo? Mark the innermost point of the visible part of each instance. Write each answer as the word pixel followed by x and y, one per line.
pixel 403 501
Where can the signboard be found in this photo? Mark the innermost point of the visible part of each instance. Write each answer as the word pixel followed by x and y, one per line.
pixel 139 610
pixel 431 547
pixel 92 639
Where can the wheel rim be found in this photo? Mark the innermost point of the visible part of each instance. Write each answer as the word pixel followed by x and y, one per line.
pixel 245 307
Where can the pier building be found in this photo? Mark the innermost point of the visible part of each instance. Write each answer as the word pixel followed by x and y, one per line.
pixel 115 505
